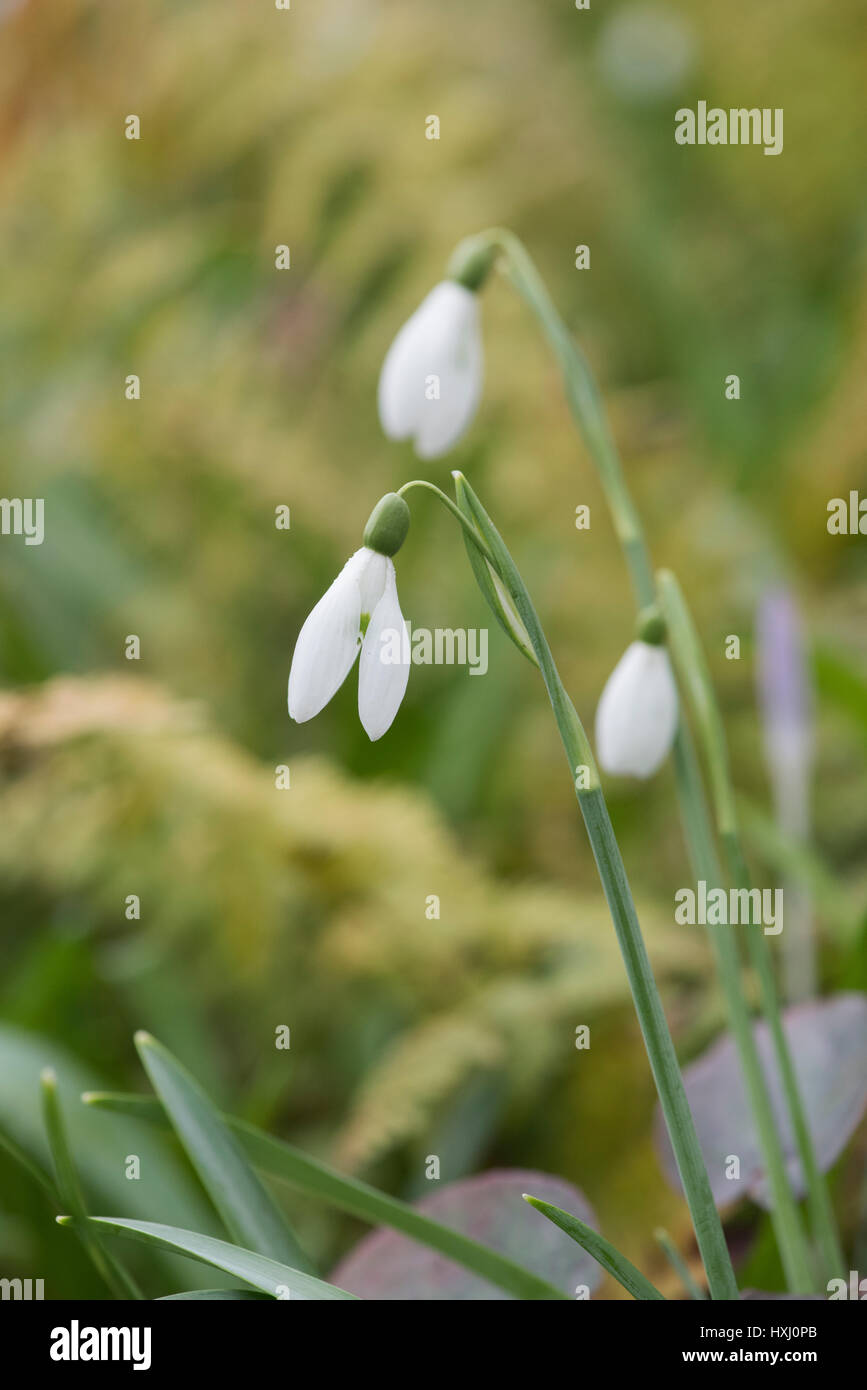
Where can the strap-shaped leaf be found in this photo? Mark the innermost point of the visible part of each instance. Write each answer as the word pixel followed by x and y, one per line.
pixel 249 1213
pixel 314 1179
pixel 270 1276
pixel 214 1296
pixel 490 584
pixel 33 1170
pixel 623 1270
pixel 71 1194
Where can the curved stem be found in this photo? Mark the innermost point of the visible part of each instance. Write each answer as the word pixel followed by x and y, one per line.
pixel 645 994
pixel 585 403
pixel 587 409
pixel 456 513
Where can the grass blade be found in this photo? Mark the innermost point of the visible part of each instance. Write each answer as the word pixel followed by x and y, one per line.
pixel 251 1216
pixel 214 1295
pixel 315 1179
pixel 608 1255
pixel 492 589
pixel 71 1194
pixel 267 1275
pixel 33 1171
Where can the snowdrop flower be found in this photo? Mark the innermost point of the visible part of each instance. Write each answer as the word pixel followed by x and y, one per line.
pixel 431 379
pixel 360 612
pixel 636 718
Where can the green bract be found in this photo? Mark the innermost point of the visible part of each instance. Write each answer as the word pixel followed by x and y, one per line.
pixel 490 584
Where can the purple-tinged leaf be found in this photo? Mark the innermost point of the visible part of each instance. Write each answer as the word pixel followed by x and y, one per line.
pixel 828 1041
pixel 488 1208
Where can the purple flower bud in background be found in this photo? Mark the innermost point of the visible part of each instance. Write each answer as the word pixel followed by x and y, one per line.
pixel 785 695
pixel 786 704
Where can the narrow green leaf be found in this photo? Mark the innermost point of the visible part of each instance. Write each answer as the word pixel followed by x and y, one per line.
pixel 128 1103
pixel 33 1171
pixel 271 1277
pixel 314 1179
pixel 608 1255
pixel 249 1213
pixel 214 1295
pixel 71 1194
pixel 490 584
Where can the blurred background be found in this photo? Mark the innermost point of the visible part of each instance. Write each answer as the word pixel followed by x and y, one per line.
pixel 306 907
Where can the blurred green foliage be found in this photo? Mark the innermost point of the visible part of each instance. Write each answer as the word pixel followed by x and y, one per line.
pixel 306 907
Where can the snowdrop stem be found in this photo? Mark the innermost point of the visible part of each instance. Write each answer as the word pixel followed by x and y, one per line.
pixel 447 502
pixel 585 403
pixel 645 994
pixel 785 1216
pixel 691 662
pixel 660 1048
pixel 587 408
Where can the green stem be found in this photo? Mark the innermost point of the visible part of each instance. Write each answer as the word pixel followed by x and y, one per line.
pixel 823 1222
pixel 654 1028
pixel 585 404
pixel 692 664
pixel 447 502
pixel 785 1216
pixel 587 408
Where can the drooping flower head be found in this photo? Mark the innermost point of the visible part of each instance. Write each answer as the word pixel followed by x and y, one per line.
pixel 636 718
pixel 431 379
pixel 354 615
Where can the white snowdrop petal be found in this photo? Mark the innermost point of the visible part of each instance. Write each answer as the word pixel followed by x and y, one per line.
pixel 400 394
pixel 441 340
pixel 383 670
pixel 636 719
pixel 327 643
pixel 444 421
pixel 372 575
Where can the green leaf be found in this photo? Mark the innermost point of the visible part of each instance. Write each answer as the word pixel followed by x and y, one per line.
pixel 101 1142
pixel 249 1213
pixel 608 1255
pixel 69 1189
pixel 33 1170
pixel 127 1103
pixel 316 1180
pixel 490 584
pixel 262 1273
pixel 214 1295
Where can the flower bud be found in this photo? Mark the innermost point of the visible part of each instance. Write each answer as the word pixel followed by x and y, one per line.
pixel 636 719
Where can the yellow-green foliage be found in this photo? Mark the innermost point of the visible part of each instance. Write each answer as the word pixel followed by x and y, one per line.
pixel 156 257
pixel 308 900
